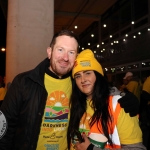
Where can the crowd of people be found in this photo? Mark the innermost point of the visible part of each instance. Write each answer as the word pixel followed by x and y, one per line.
pixel 141 90
pixel 44 107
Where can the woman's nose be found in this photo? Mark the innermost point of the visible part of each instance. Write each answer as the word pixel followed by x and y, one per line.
pixel 82 79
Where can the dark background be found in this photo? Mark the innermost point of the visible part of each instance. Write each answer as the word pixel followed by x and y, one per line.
pixel 3 25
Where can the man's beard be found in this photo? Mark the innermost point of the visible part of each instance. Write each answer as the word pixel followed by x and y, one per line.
pixel 58 70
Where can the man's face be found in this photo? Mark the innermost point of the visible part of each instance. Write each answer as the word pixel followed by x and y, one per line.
pixel 63 55
pixel 128 78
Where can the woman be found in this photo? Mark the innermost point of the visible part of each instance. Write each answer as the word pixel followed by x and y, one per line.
pixel 93 110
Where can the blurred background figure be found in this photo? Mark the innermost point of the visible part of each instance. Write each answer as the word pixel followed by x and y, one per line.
pixel 2 90
pixel 132 84
pixel 123 86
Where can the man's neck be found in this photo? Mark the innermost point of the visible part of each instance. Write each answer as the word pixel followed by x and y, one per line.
pixel 54 75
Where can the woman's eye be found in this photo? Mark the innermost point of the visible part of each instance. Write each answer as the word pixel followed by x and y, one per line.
pixel 76 77
pixel 88 73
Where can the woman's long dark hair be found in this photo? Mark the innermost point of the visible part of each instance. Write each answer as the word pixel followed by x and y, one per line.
pixel 100 102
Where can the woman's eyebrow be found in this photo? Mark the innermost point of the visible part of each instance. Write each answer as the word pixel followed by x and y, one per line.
pixel 86 71
pixel 77 74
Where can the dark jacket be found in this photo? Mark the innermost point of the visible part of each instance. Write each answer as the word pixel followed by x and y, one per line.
pixel 23 108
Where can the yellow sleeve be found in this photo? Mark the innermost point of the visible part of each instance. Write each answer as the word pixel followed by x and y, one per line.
pixel 2 93
pixel 128 128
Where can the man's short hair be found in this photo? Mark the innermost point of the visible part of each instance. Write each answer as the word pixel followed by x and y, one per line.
pixel 67 33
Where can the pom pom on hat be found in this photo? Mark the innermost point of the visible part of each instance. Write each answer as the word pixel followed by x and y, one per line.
pixel 86 61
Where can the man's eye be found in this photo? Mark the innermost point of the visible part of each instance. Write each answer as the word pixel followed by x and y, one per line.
pixel 72 52
pixel 59 49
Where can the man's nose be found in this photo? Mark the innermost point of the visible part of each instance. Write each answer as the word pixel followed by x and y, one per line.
pixel 65 56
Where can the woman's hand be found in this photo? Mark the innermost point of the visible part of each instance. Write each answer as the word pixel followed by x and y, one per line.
pixel 84 145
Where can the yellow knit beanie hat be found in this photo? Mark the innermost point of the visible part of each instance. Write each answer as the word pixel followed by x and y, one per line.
pixel 86 61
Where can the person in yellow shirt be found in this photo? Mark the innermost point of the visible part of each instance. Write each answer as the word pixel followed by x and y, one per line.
pixel 133 84
pixel 2 93
pixel 95 111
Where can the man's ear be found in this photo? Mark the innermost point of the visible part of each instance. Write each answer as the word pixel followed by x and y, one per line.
pixel 49 51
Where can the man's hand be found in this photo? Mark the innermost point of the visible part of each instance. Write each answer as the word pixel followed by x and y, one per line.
pixel 130 103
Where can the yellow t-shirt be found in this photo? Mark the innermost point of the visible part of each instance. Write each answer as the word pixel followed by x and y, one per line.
pixel 84 123
pixel 53 134
pixel 128 128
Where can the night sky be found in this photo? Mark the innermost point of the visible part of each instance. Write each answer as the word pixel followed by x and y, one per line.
pixel 2 43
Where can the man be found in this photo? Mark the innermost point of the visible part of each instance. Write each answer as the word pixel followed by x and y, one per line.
pixel 123 86
pixel 35 111
pixel 133 84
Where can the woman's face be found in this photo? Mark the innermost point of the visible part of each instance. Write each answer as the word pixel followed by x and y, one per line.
pixel 85 81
